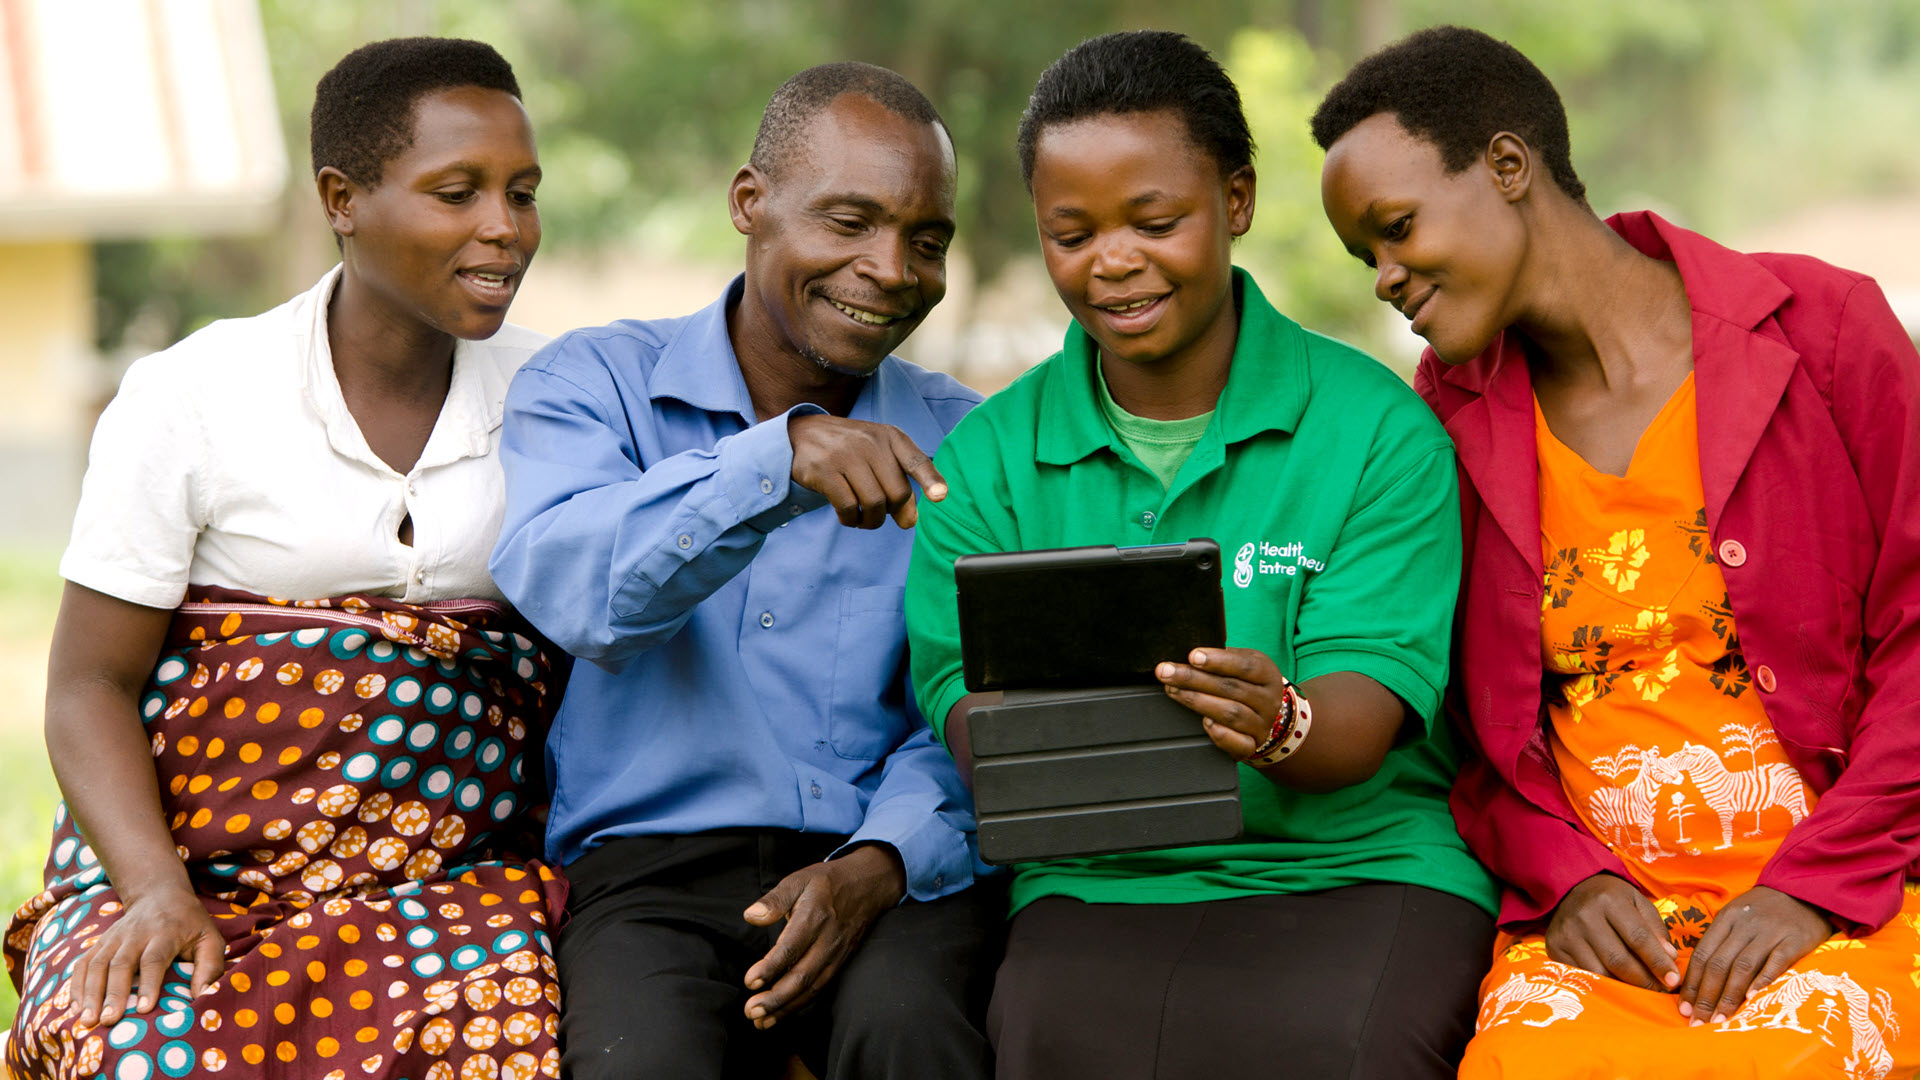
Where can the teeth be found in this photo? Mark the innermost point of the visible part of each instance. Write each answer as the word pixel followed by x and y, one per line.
pixel 867 317
pixel 1136 305
pixel 491 279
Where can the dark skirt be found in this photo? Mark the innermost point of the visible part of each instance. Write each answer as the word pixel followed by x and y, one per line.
pixel 1363 981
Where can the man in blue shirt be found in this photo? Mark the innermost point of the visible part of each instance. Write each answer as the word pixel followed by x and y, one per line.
pixel 743 791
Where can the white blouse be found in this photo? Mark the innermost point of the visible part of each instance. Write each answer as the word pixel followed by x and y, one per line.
pixel 231 459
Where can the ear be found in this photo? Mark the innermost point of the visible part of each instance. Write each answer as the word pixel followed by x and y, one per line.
pixel 745 196
pixel 1510 160
pixel 337 195
pixel 1240 190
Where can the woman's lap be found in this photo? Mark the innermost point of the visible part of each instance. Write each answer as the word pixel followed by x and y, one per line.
pixel 392 985
pixel 374 926
pixel 1368 980
pixel 1851 1008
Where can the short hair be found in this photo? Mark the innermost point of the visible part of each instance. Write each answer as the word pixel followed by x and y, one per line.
pixel 1137 71
pixel 1456 88
pixel 804 96
pixel 363 108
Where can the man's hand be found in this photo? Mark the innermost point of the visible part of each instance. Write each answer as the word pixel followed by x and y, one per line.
pixel 132 957
pixel 1759 934
pixel 829 907
pixel 865 470
pixel 1605 925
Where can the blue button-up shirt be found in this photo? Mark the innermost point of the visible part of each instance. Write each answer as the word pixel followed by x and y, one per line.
pixel 748 652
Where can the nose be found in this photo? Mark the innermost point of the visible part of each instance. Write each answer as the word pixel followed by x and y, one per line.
pixel 1388 280
pixel 498 223
pixel 1116 257
pixel 888 263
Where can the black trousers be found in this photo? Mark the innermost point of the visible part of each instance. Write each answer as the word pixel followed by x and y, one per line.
pixel 653 959
pixel 1364 981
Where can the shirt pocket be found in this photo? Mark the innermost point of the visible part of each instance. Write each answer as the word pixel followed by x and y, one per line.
pixel 868 717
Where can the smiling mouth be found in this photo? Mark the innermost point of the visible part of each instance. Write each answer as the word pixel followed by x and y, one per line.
pixel 1412 309
pixel 863 316
pixel 490 283
pixel 1130 306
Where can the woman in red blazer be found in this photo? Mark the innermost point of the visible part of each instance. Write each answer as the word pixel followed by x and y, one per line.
pixel 1746 868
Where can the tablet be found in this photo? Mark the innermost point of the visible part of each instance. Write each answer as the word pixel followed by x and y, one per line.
pixel 1085 616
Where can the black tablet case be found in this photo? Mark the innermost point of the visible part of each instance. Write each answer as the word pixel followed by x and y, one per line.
pixel 1087 754
pixel 1065 773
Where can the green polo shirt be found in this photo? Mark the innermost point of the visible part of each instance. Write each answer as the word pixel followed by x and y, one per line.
pixel 1331 491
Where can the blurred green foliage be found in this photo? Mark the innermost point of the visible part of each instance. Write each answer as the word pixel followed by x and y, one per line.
pixel 29 597
pixel 1722 112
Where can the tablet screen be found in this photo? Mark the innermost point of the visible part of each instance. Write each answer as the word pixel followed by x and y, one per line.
pixel 1085 616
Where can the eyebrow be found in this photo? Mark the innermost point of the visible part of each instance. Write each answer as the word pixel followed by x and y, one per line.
pixel 474 168
pixel 858 202
pixel 873 206
pixel 1142 199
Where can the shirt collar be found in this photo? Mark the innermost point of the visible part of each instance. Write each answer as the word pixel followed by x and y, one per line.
pixel 699 367
pixel 1721 283
pixel 476 393
pixel 1266 385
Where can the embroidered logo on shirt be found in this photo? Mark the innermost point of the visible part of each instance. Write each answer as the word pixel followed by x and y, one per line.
pixel 1265 557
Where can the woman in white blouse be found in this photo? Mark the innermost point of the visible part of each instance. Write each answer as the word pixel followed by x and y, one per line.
pixel 285 706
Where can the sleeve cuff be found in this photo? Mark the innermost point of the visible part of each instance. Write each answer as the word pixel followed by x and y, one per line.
pixel 756 471
pixel 1861 907
pixel 939 702
pixel 1421 696
pixel 936 855
pixel 120 583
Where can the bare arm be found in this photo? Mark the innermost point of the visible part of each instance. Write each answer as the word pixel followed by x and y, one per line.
pixel 957 727
pixel 103 650
pixel 1237 693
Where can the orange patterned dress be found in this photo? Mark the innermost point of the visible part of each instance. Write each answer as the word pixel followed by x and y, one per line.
pixel 1666 753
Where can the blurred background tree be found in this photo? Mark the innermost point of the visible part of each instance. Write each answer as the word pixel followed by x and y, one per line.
pixel 1721 112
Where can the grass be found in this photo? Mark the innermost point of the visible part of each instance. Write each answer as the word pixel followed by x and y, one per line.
pixel 29 596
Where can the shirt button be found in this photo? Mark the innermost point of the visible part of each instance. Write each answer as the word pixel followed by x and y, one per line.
pixel 410 488
pixel 686 541
pixel 766 486
pixel 939 881
pixel 420 577
pixel 1732 553
pixel 816 791
pixel 1764 676
pixel 795 510
pixel 1147 519
pixel 766 620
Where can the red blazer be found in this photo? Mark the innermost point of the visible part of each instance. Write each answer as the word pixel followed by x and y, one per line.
pixel 1808 396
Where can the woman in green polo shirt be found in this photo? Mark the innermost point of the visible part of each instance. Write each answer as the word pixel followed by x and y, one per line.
pixel 1344 933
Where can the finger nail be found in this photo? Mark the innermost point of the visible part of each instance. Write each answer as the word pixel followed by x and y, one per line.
pixel 1164 671
pixel 1199 657
pixel 755 984
pixel 1686 1008
pixel 1672 980
pixel 145 1004
pixel 937 492
pixel 1719 1018
pixel 757 911
pixel 1693 1023
pixel 757 1012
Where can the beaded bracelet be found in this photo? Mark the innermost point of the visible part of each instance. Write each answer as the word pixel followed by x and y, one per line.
pixel 1289 730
